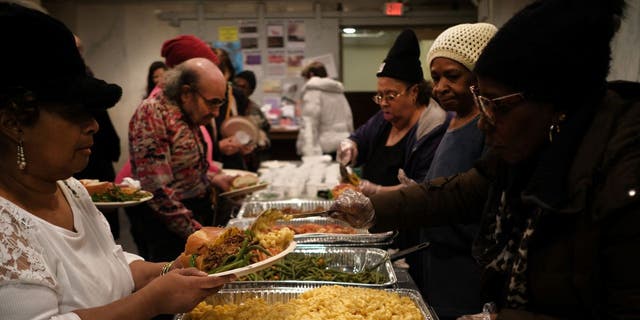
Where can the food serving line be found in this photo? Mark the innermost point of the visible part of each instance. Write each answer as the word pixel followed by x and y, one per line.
pixel 361 255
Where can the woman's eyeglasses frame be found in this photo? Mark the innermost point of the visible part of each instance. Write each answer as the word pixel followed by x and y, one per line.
pixel 489 107
pixel 389 96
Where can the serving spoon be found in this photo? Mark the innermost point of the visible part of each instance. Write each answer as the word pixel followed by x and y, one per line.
pixel 269 215
pixel 400 254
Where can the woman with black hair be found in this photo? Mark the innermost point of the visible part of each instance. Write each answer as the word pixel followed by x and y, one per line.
pixel 154 76
pixel 229 150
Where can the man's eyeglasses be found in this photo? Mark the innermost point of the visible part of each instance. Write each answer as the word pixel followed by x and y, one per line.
pixel 388 96
pixel 212 103
pixel 489 107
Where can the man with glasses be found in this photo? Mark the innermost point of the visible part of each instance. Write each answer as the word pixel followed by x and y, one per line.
pixel 168 155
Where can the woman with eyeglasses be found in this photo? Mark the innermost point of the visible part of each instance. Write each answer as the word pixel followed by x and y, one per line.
pixel 405 132
pixel 228 150
pixel 557 193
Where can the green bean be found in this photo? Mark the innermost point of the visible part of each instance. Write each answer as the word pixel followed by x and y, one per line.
pixel 260 248
pixel 243 250
pixel 229 266
pixel 242 258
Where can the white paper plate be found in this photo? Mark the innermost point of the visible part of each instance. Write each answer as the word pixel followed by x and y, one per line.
pixel 245 190
pixel 233 125
pixel 273 164
pixel 124 204
pixel 255 267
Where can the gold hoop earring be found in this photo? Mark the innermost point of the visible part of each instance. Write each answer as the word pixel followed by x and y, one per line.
pixel 21 160
pixel 554 128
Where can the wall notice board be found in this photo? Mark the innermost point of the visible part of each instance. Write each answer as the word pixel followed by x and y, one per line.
pixel 274 49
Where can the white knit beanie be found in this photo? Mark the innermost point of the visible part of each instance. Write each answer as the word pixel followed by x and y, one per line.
pixel 462 43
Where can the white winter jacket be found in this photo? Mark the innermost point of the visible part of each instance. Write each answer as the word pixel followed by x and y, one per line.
pixel 326 117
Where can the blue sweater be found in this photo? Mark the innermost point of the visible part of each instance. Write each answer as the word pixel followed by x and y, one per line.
pixel 458 151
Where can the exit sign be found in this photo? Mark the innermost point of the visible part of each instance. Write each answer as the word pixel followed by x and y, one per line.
pixel 393 8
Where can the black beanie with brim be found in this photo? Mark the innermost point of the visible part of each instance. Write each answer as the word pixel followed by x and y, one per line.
pixel 554 51
pixel 56 73
pixel 403 59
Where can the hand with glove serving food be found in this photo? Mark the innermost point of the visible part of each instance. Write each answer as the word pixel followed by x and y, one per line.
pixel 354 208
pixel 347 152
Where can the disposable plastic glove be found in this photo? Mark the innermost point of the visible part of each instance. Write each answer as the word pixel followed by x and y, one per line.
pixel 368 188
pixel 354 208
pixel 404 180
pixel 347 152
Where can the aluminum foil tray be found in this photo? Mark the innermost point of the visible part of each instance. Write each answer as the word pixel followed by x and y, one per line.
pixel 340 258
pixel 251 209
pixel 284 294
pixel 361 237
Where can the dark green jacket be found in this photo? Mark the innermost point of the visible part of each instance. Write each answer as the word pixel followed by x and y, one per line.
pixel 584 259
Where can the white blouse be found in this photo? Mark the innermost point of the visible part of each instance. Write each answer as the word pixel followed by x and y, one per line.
pixel 46 271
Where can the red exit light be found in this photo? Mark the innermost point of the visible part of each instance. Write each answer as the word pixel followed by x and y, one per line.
pixel 393 8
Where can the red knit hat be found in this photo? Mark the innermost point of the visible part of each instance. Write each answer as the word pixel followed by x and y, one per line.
pixel 185 47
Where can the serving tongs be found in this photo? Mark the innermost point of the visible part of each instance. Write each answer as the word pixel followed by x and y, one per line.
pixel 400 254
pixel 312 214
pixel 347 177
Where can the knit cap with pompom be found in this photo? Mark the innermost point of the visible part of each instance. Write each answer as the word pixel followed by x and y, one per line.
pixel 462 43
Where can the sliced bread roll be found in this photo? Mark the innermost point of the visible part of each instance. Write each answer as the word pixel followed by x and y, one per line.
pixel 244 181
pixel 97 187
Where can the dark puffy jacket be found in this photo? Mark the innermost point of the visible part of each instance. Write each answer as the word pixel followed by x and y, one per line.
pixel 583 258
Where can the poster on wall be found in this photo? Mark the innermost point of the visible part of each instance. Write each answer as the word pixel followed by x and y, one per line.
pixel 276 64
pixel 294 62
pixel 271 103
pixel 227 33
pixel 295 34
pixel 253 62
pixel 248 35
pixel 272 85
pixel 275 35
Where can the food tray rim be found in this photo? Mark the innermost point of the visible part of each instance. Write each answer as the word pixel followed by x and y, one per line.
pixel 414 295
pixel 276 203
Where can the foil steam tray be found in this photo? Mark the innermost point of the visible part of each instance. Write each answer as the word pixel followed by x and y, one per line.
pixel 360 237
pixel 345 259
pixel 283 294
pixel 251 209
